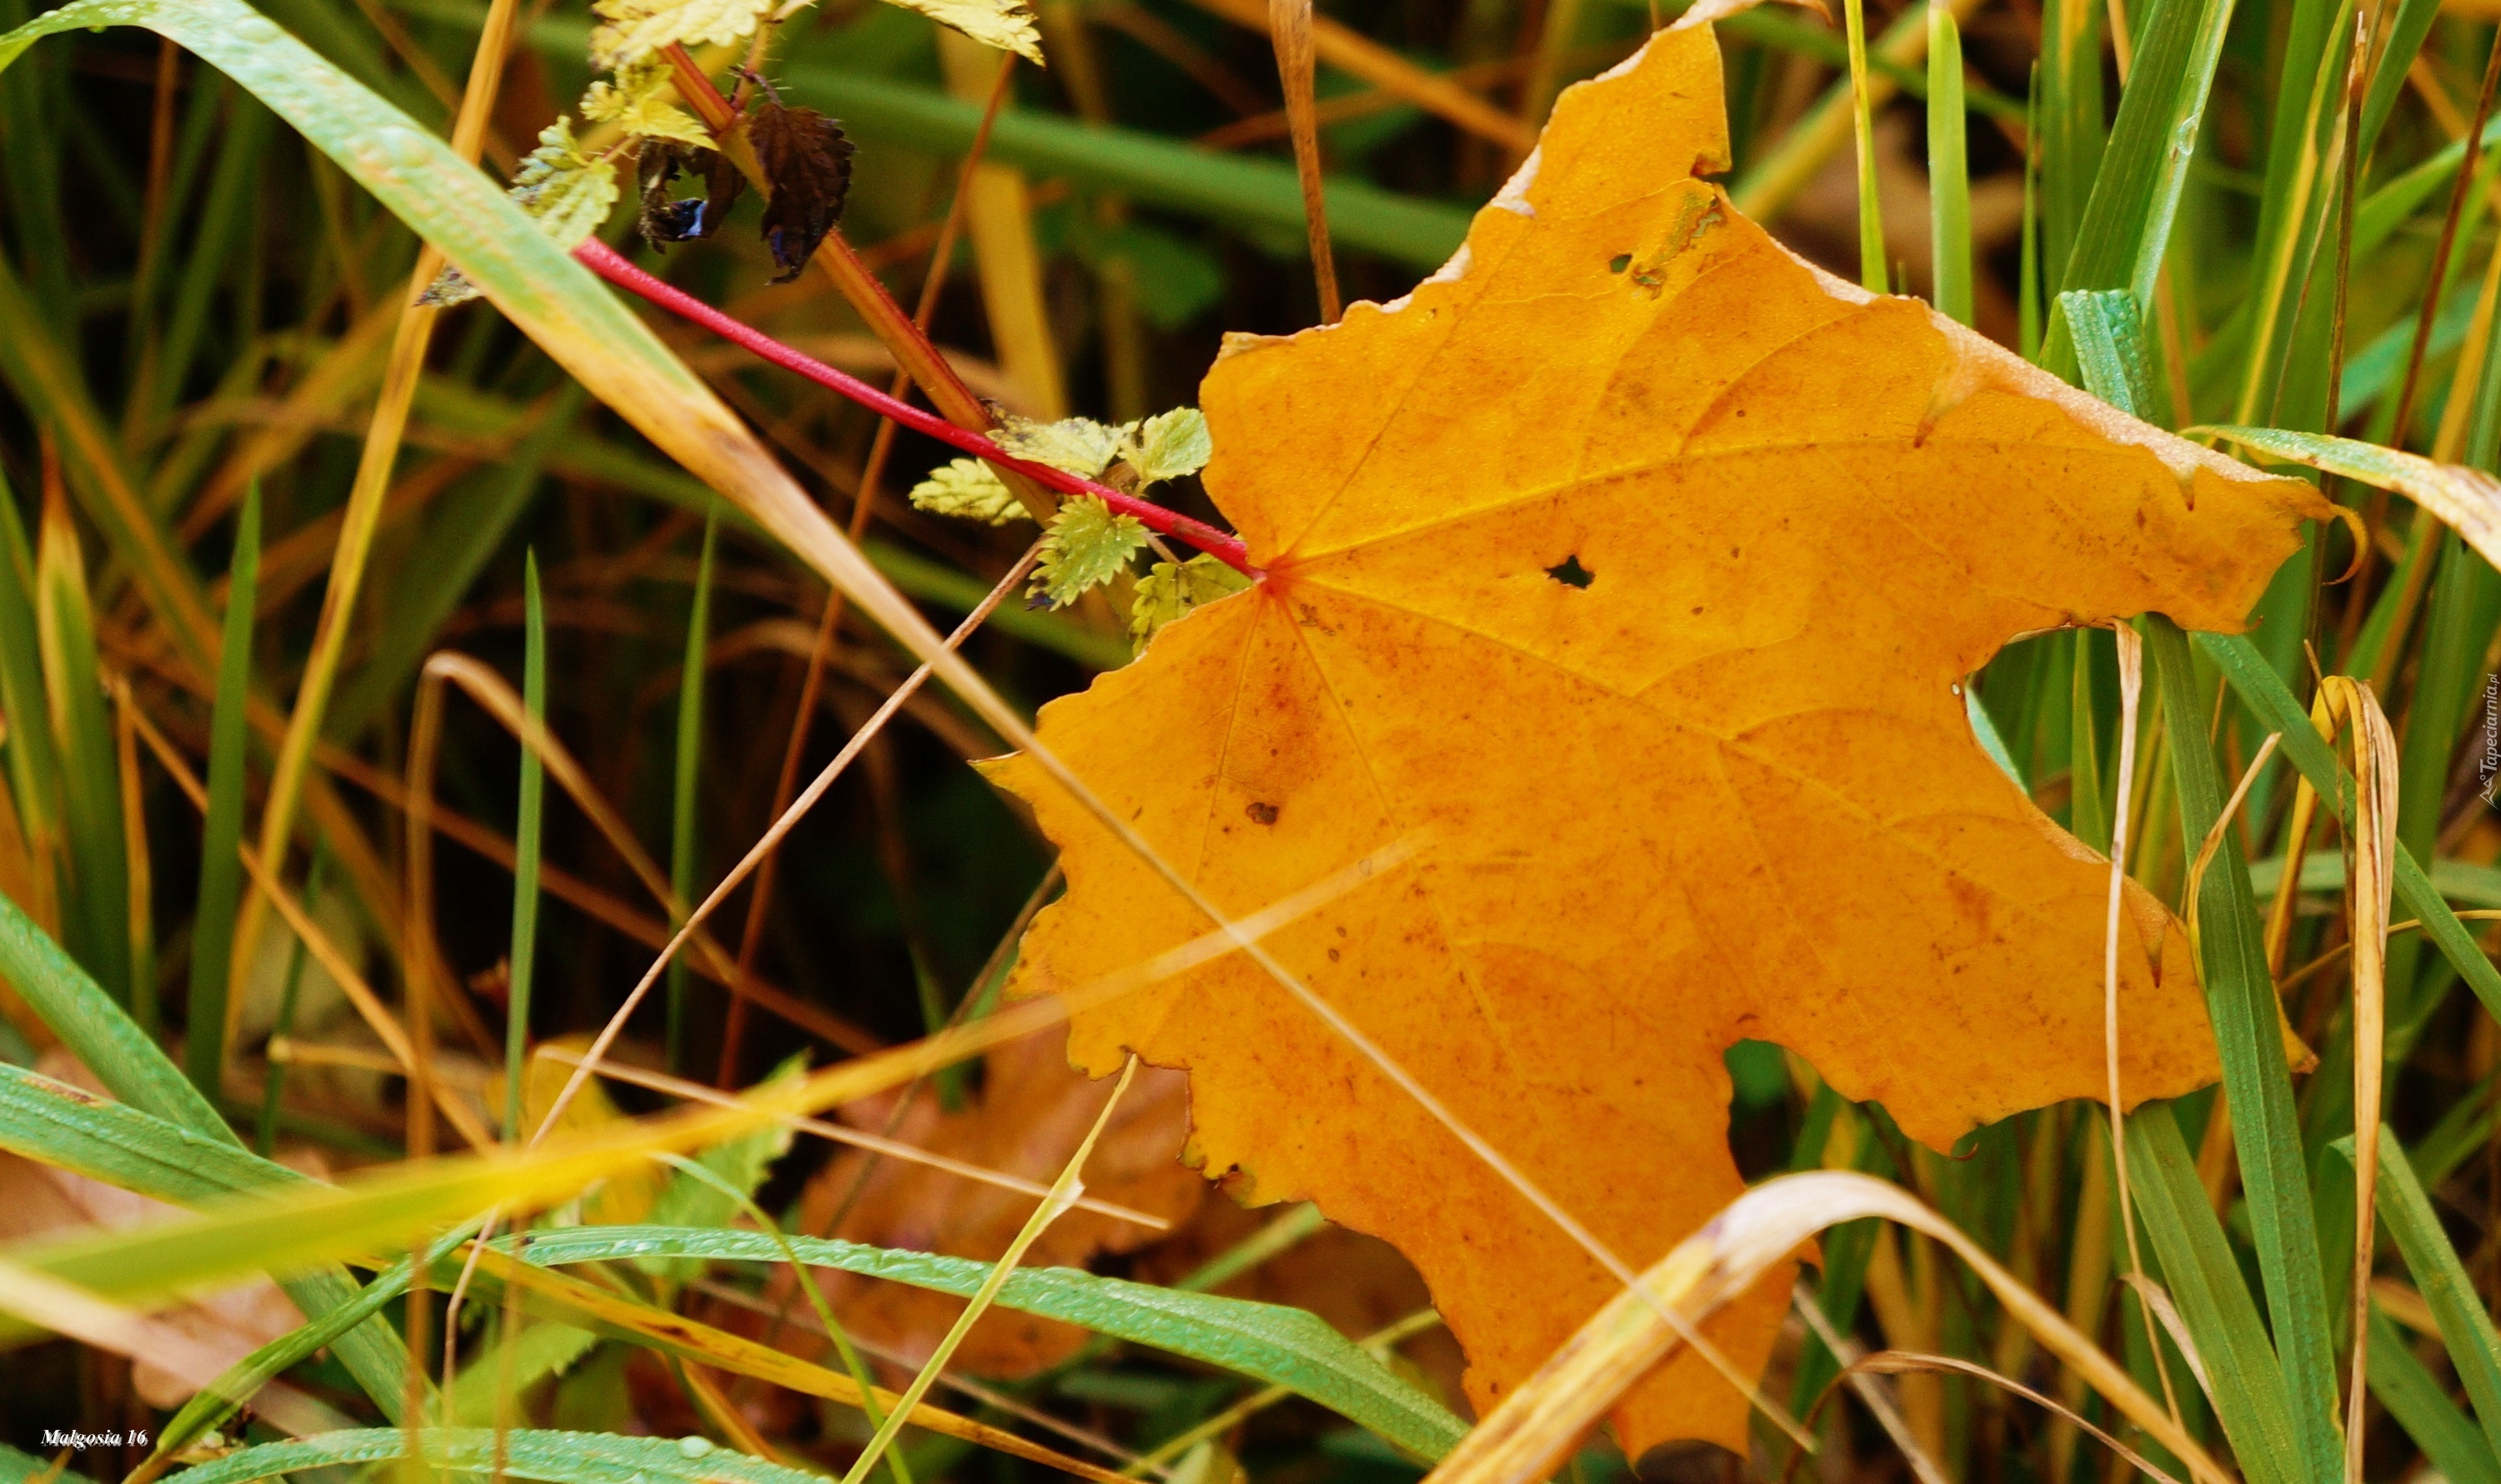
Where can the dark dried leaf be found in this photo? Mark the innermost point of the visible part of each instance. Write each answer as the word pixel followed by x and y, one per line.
pixel 666 219
pixel 808 164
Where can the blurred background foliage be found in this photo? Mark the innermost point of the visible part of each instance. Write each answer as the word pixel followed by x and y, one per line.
pixel 195 304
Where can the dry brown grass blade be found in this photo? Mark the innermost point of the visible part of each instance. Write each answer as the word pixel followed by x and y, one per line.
pixel 820 650
pixel 1880 1403
pixel 1006 257
pixel 1358 56
pixel 1908 1362
pixel 496 696
pixel 1524 1436
pixel 369 1005
pixel 2371 882
pixel 1289 32
pixel 2131 686
pixel 762 850
pixel 601 906
pixel 696 1091
pixel 343 373
pixel 2159 1299
pixel 405 364
pixel 1055 1202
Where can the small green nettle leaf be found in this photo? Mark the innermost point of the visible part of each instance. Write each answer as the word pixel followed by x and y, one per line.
pixel 1170 590
pixel 568 193
pixel 639 102
pixel 1007 24
pixel 1079 445
pixel 1088 546
pixel 970 489
pixel 631 30
pixel 1169 446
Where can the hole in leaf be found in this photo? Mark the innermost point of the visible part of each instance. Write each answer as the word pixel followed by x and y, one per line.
pixel 1262 814
pixel 1619 262
pixel 1570 573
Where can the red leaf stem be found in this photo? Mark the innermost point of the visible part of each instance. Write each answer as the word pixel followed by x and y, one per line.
pixel 609 265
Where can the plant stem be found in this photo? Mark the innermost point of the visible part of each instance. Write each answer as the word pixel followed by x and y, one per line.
pixel 605 261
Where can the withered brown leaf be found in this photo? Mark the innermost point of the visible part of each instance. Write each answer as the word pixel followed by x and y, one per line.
pixel 666 219
pixel 808 168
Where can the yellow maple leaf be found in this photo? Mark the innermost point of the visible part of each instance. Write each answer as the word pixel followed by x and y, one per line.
pixel 1630 565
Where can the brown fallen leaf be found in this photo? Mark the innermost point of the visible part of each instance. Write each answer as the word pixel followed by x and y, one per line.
pixel 1029 1115
pixel 1632 567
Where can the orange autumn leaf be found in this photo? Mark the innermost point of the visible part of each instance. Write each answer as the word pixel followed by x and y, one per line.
pixel 1631 565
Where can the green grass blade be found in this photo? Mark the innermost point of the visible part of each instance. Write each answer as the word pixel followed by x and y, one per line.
pixel 2420 1404
pixel 65 1126
pixel 2371 371
pixel 2089 811
pixel 526 847
pixel 46 378
pixel 1872 272
pixel 220 867
pixel 459 540
pixel 2457 625
pixel 528 1453
pixel 34 766
pixel 2028 286
pixel 2293 211
pixel 214 1404
pixel 2457 1305
pixel 96 891
pixel 18 1467
pixel 2207 1286
pixel 273 1092
pixel 2264 693
pixel 2126 225
pixel 1949 169
pixel 2241 1001
pixel 1781 31
pixel 98 1032
pixel 2071 130
pixel 225 213
pixel 2381 212
pixel 2108 337
pixel 689 775
pixel 34 116
pixel 1284 1346
pixel 2405 39
pixel 104 1037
